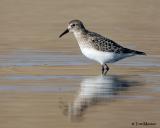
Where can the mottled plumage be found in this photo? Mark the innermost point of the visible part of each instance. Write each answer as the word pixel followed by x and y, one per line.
pixel 105 44
pixel 98 48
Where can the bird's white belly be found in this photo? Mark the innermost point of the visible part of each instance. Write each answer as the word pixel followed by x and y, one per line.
pixel 99 56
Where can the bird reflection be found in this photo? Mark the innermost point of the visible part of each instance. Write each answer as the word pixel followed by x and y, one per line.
pixel 94 90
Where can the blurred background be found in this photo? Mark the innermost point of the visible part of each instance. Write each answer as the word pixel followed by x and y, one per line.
pixel 42 77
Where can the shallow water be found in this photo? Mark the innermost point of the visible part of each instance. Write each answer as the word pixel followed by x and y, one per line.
pixel 85 100
pixel 46 82
pixel 49 58
pixel 38 98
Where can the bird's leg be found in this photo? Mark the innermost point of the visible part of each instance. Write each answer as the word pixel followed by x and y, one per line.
pixel 106 69
pixel 102 69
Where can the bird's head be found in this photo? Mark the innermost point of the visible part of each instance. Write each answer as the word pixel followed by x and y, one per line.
pixel 74 26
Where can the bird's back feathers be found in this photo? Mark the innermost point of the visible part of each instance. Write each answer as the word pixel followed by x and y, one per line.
pixel 104 44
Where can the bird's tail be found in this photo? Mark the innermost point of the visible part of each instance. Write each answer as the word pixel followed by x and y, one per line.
pixel 126 50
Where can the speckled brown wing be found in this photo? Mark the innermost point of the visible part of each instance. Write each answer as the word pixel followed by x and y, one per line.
pixel 101 43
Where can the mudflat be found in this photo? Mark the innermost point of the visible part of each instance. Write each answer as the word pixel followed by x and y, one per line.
pixel 46 81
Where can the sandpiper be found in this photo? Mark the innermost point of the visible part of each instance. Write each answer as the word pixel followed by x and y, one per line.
pixel 98 48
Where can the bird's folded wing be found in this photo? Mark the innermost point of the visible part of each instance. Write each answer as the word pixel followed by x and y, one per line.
pixel 101 43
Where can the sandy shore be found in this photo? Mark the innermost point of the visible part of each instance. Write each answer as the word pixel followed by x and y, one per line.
pixel 41 75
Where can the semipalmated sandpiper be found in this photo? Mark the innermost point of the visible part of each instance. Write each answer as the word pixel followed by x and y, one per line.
pixel 98 48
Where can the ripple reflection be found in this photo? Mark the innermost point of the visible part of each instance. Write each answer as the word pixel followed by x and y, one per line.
pixel 99 89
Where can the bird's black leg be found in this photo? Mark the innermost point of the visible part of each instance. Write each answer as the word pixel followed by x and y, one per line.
pixel 102 69
pixel 106 69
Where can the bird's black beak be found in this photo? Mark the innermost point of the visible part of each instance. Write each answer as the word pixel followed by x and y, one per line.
pixel 65 32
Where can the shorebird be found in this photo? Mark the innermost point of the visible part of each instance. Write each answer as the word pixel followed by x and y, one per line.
pixel 97 47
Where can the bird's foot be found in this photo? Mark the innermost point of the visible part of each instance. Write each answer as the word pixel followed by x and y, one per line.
pixel 105 69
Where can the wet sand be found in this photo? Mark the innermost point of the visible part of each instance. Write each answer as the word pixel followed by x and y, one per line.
pixel 46 82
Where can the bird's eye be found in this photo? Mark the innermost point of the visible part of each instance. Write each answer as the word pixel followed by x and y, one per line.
pixel 72 25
